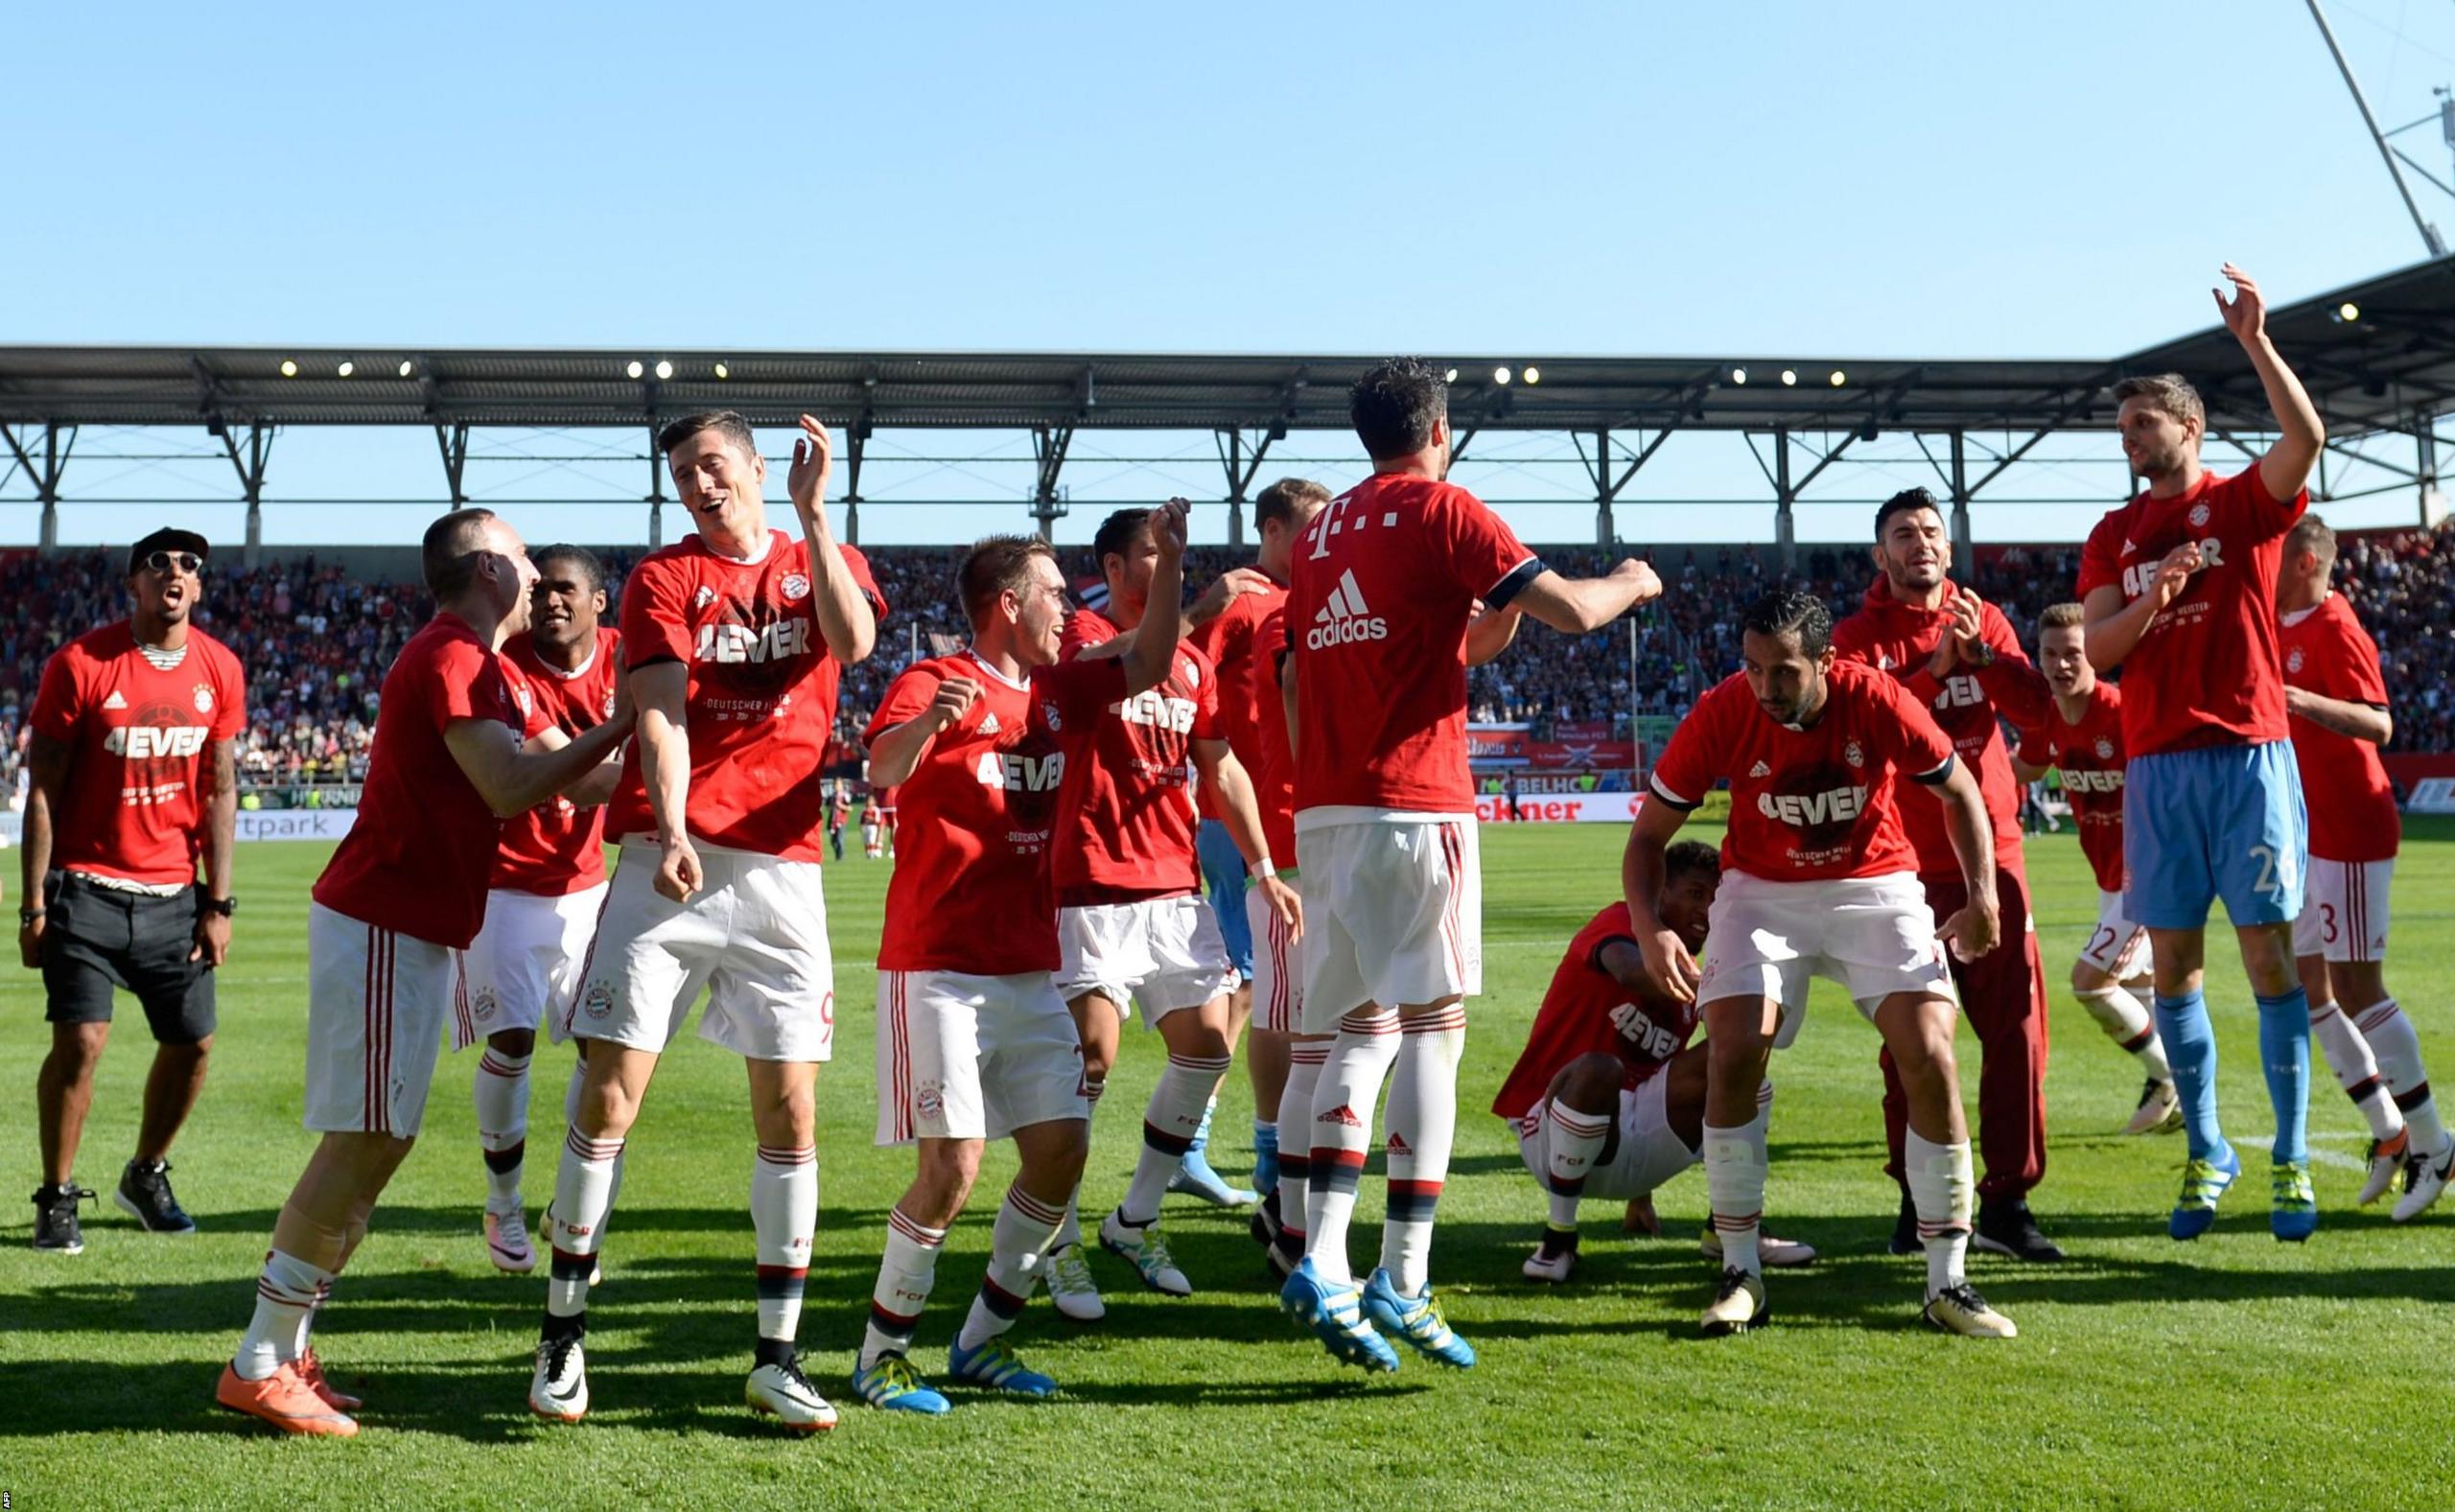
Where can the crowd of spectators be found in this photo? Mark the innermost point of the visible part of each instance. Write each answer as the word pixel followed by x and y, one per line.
pixel 315 640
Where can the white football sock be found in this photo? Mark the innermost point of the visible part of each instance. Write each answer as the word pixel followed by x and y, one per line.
pixel 2357 1069
pixel 1024 1236
pixel 286 1293
pixel 501 1093
pixel 1941 1187
pixel 1344 1100
pixel 1178 1106
pixel 1305 1061
pixel 2391 1038
pixel 783 1210
pixel 906 1271
pixel 1572 1142
pixel 1424 1127
pixel 575 1225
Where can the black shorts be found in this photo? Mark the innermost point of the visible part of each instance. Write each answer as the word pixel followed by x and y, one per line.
pixel 98 937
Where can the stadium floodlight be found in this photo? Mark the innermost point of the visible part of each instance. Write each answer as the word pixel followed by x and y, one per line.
pixel 347 368
pixel 1790 377
pixel 663 370
pixel 289 368
pixel 635 370
pixel 1739 377
pixel 1450 377
pixel 721 373
pixel 1533 375
pixel 1500 374
pixel 407 367
pixel 2348 311
pixel 1838 378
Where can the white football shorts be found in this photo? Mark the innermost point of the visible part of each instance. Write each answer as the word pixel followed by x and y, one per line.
pixel 1159 954
pixel 521 969
pixel 1641 1155
pixel 1873 935
pixel 376 1003
pixel 2344 910
pixel 1393 912
pixel 965 1056
pixel 2116 947
pixel 754 936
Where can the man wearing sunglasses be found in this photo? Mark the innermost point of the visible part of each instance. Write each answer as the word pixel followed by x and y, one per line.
pixel 133 782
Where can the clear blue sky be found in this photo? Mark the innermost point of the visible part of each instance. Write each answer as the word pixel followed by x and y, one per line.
pixel 1916 179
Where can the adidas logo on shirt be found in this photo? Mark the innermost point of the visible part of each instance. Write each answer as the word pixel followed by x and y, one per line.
pixel 1759 769
pixel 115 701
pixel 988 723
pixel 1345 619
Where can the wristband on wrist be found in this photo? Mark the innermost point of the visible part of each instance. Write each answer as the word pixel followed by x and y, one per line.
pixel 1262 867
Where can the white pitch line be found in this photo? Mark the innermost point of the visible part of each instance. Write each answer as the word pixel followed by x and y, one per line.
pixel 2325 1157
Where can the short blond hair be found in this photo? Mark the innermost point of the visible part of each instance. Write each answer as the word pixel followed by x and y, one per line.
pixel 2171 392
pixel 2313 535
pixel 2062 616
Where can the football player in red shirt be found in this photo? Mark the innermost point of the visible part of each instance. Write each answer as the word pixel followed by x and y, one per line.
pixel 2078 731
pixel 973 1041
pixel 1949 650
pixel 455 753
pixel 1131 923
pixel 1236 644
pixel 1607 1099
pixel 839 813
pixel 1819 879
pixel 2337 701
pixel 2180 590
pixel 131 782
pixel 549 883
pixel 1384 585
pixel 735 640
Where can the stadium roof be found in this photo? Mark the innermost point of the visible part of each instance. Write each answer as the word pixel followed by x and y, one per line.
pixel 2394 359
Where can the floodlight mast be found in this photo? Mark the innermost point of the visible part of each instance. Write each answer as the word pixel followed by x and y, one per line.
pixel 2429 236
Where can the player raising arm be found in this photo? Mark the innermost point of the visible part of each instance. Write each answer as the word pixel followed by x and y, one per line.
pixel 1819 879
pixel 405 888
pixel 2179 586
pixel 1385 584
pixel 973 1041
pixel 2337 703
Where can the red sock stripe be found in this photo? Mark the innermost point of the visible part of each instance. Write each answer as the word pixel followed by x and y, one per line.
pixel 1311 1052
pixel 895 1220
pixel 495 1065
pixel 1580 1124
pixel 281 1297
pixel 805 1155
pixel 587 1149
pixel 2375 1017
pixel 1368 1025
pixel 468 1024
pixel 1414 1189
pixel 1453 1016
pixel 782 1272
pixel 1926 1230
pixel 1333 1155
pixel 1198 1063
pixel 1033 1208
pixel 1737 1223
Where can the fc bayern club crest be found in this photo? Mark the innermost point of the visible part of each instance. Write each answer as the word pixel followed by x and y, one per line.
pixel 204 699
pixel 2293 659
pixel 2104 748
pixel 2199 516
pixel 1048 712
pixel 1851 754
pixel 796 587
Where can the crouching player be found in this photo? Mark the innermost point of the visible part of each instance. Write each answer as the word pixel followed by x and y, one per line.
pixel 1609 1097
pixel 1823 883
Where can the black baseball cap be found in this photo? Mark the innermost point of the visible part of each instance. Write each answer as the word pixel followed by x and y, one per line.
pixel 169 538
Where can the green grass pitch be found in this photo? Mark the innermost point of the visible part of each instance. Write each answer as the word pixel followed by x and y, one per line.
pixel 2230 1372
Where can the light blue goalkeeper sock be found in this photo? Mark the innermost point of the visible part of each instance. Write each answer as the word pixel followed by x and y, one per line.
pixel 2284 1055
pixel 2190 1049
